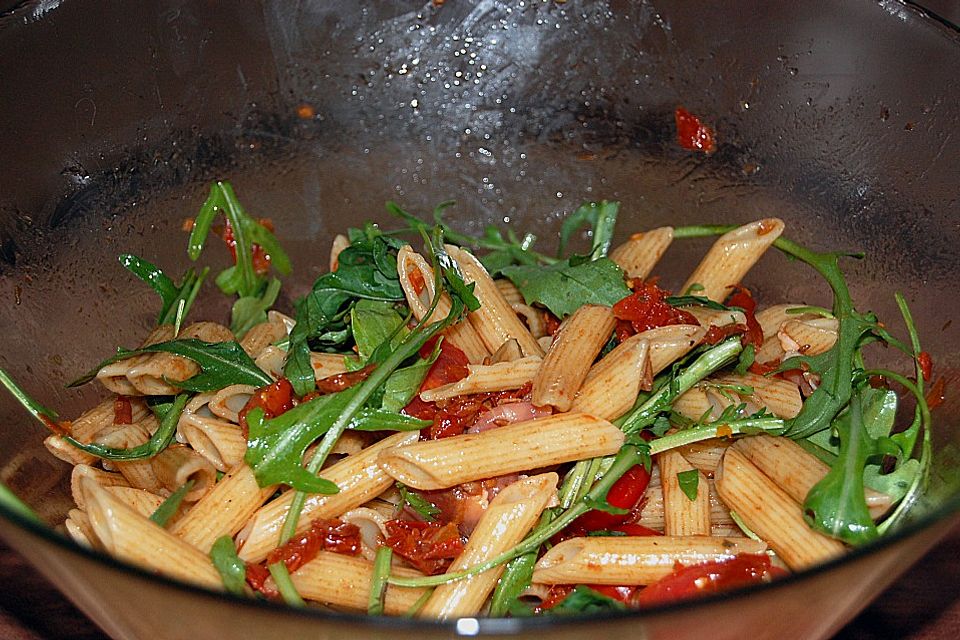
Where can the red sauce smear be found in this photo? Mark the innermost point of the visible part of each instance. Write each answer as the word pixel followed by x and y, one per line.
pixel 429 546
pixel 709 577
pixel 692 134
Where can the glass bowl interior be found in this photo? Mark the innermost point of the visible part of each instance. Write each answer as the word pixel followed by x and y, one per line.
pixel 320 112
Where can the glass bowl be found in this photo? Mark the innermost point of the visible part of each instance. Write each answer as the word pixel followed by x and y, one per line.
pixel 838 117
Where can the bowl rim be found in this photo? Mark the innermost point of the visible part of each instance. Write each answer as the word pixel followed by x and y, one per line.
pixel 942 514
pixel 948 511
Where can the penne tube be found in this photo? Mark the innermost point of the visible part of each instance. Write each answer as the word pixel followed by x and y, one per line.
pixel 511 514
pixel 373 528
pixel 178 464
pixel 706 454
pixel 652 517
pixel 780 397
pixel 796 471
pixel 633 560
pixel 481 378
pixel 771 513
pixel 359 478
pixel 219 442
pixel 508 351
pixel 533 318
pixel 642 251
pixel 681 515
pixel 139 473
pixel 140 500
pixel 114 376
pixel 272 359
pixel 809 337
pixel 670 343
pixel 78 528
pixel 102 478
pixel 534 444
pixel 222 511
pixel 344 581
pixel 229 401
pixel 567 362
pixel 695 404
pixel 133 538
pixel 416 279
pixel 92 422
pixel 612 384
pixel 260 336
pixel 715 317
pixel 731 257
pixel 509 291
pixel 153 376
pixel 494 321
pixel 772 318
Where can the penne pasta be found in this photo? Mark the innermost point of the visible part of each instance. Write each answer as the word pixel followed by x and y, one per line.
pixel 359 478
pixel 731 257
pixel 177 464
pixel 652 515
pixel 642 251
pixel 494 321
pixel 502 376
pixel 114 376
pixel 780 397
pixel 567 362
pixel 633 560
pixel 221 443
pixel 139 473
pixel 771 513
pixel 511 514
pixel 140 500
pixel 668 344
pixel 344 581
pixel 796 471
pixel 340 242
pixel 224 510
pixel 613 383
pixel 416 278
pixel 437 464
pixel 229 401
pixel 706 454
pixel 102 478
pixel 262 335
pixel 133 538
pixel 154 375
pixel 681 515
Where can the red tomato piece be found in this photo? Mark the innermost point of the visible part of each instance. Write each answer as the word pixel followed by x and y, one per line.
pixel 429 546
pixel 625 493
pixel 259 257
pixel 742 298
pixel 692 134
pixel 323 535
pixel 645 309
pixel 122 410
pixel 709 577
pixel 450 365
pixel 717 334
pixel 926 365
pixel 634 529
pixel 274 399
pixel 256 576
pixel 621 593
pixel 345 380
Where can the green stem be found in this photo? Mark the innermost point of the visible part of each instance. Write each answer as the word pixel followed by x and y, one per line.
pixel 378 583
pixel 285 585
pixel 707 431
pixel 10 500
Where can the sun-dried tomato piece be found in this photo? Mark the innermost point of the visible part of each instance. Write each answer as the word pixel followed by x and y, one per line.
pixel 429 546
pixel 122 410
pixel 450 365
pixel 323 535
pixel 345 380
pixel 926 365
pixel 742 298
pixel 646 309
pixel 274 399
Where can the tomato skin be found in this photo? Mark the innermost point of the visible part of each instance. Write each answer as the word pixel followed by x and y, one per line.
pixel 742 298
pixel 645 309
pixel 450 365
pixel 274 399
pixel 692 134
pixel 926 365
pixel 625 494
pixel 709 577
pixel 429 546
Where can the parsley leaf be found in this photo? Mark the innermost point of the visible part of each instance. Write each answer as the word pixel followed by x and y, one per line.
pixel 600 217
pixel 418 503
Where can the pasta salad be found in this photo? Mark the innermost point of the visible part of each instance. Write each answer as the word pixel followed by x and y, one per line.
pixel 473 427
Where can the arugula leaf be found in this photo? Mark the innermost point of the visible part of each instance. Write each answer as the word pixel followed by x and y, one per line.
pixel 403 384
pixel 746 360
pixel 169 507
pixel 584 600
pixel 566 286
pixel 159 441
pixel 221 364
pixel 600 217
pixel 10 501
pixel 515 579
pixel 232 570
pixel 698 301
pixel 689 481
pixel 836 504
pixel 250 311
pixel 171 294
pixel 418 503
pixel 373 322
pixel 367 270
